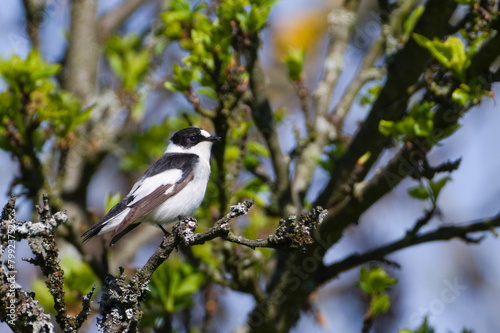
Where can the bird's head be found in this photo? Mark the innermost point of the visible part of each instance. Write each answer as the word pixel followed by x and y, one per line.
pixel 191 140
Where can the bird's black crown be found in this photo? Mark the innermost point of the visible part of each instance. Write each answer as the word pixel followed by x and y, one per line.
pixel 190 137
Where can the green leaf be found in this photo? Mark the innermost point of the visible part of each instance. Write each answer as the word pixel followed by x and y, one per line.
pixel 476 43
pixel 294 62
pixel 419 192
pixel 449 130
pixel 241 130
pixel 232 153
pixel 112 200
pixel 450 53
pixel 250 161
pixel 411 21
pixel 326 164
pixel 375 280
pixel 257 18
pixel 78 279
pixel 128 59
pixel 183 77
pixel 190 284
pixel 172 285
pixel 257 148
pixel 170 86
pixel 207 91
pixel 380 304
pixel 253 188
pixel 424 328
pixel 418 123
pixel 42 295
pixel 423 41
pixel 26 75
pixel 387 127
pixel 371 95
pixel 364 158
pixel 437 186
pixel 37 110
pixel 431 191
pixel 460 96
pixel 216 38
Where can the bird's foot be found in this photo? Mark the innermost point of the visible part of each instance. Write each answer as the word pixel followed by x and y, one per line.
pixel 164 231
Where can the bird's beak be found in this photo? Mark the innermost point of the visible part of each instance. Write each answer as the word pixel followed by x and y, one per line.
pixel 213 138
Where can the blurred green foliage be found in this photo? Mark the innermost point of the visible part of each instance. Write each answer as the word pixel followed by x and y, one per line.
pixel 33 109
pixel 426 328
pixel 149 144
pixel 78 280
pixel 129 59
pixel 215 43
pixel 450 53
pixel 371 95
pixel 327 162
pixel 375 282
pixel 172 288
pixel 418 123
pixel 294 62
pixel 411 21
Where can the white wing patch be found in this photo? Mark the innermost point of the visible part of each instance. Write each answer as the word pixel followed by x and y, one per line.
pixel 148 185
pixel 169 190
pixel 114 221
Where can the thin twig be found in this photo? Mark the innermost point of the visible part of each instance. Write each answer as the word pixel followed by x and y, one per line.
pixel 262 114
pixel 114 18
pixel 34 16
pixel 462 231
pixel 341 25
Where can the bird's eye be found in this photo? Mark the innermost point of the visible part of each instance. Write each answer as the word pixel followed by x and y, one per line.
pixel 193 138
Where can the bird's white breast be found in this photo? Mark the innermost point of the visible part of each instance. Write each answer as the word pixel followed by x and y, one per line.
pixel 187 201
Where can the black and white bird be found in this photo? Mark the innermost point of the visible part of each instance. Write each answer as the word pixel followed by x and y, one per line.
pixel 173 186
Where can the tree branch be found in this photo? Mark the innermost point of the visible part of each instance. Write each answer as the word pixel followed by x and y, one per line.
pixel 366 71
pixel 83 50
pixel 280 313
pixel 13 229
pixel 342 22
pixel 403 71
pixel 41 238
pixel 19 309
pixel 410 239
pixel 482 60
pixel 341 25
pixel 34 16
pixel 262 114
pixel 114 18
